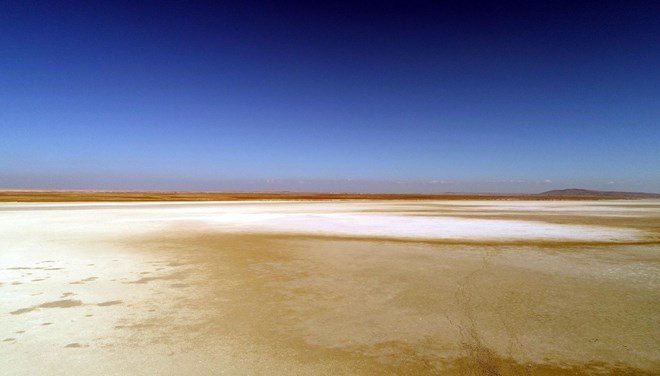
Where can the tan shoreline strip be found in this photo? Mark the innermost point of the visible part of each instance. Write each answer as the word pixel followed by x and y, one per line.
pixel 78 196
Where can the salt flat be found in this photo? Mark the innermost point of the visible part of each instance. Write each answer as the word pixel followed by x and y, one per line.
pixel 330 287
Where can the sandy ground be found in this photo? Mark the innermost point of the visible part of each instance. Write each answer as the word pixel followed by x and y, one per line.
pixel 328 287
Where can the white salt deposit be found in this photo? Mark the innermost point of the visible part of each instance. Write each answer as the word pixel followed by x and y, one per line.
pixel 79 296
pixel 430 220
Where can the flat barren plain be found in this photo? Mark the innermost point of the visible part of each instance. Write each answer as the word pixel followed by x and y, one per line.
pixel 511 286
pixel 121 196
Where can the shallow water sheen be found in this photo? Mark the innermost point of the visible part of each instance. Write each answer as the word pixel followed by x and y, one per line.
pixel 330 287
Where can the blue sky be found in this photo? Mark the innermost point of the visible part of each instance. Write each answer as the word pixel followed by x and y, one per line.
pixel 427 97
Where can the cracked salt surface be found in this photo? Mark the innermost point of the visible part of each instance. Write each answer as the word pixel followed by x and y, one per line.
pixel 73 279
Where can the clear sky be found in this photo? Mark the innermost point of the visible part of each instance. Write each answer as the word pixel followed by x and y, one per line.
pixel 430 97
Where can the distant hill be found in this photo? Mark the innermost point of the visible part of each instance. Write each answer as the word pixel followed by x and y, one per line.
pixel 575 192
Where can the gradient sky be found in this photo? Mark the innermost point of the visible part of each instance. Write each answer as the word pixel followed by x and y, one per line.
pixel 428 97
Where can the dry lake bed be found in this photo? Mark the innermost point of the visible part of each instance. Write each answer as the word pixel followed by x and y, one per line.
pixel 330 288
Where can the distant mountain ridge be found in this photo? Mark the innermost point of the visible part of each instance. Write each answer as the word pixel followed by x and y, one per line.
pixel 577 192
